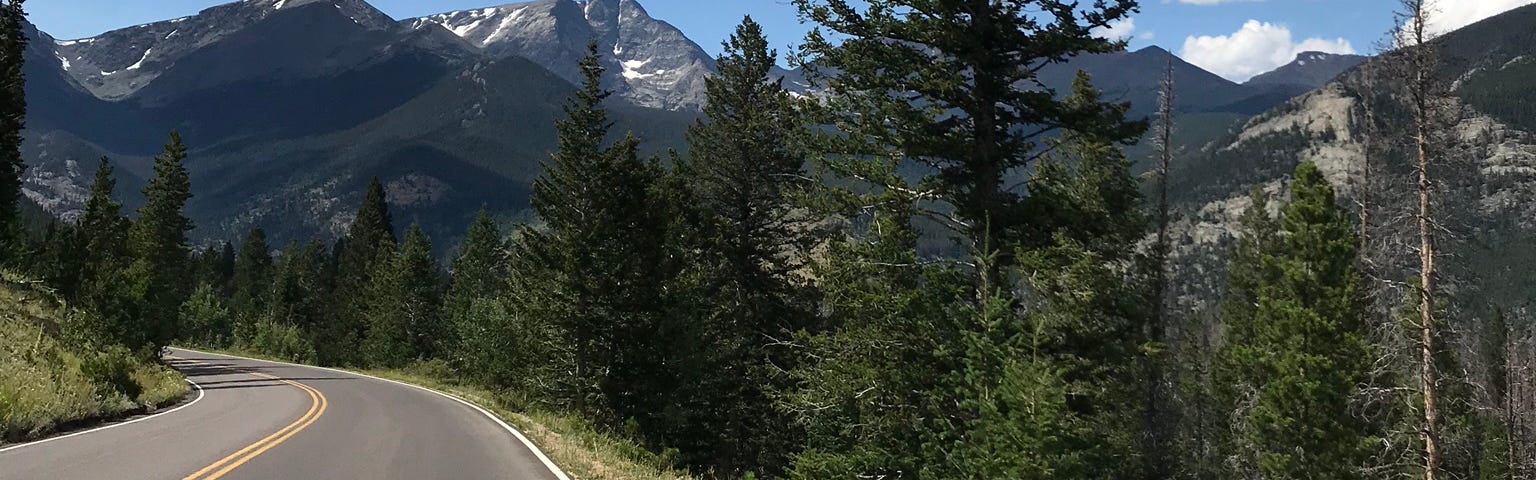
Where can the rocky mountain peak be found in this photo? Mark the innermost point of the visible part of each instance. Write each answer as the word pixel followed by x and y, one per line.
pixel 119 63
pixel 1309 69
pixel 649 62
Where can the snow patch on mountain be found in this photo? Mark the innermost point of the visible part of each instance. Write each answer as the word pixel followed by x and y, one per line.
pixel 119 63
pixel 652 63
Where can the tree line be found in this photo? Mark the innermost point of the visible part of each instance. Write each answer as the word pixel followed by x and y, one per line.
pixel 760 307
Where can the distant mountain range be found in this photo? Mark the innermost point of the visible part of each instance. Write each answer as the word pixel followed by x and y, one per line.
pixel 291 106
pixel 1486 175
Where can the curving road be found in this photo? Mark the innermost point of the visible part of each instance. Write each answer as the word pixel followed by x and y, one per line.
pixel 254 419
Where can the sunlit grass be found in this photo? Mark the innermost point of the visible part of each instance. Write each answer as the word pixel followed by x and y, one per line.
pixel 44 383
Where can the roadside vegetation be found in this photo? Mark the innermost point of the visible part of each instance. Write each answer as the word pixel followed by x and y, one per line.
pixel 47 381
pixel 573 443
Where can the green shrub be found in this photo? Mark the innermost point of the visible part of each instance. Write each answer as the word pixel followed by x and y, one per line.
pixel 111 369
pixel 283 341
pixel 48 377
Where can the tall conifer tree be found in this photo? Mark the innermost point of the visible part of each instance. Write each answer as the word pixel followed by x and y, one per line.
pixel 13 111
pixel 746 157
pixel 252 283
pixel 478 276
pixel 1297 350
pixel 158 242
pixel 593 269
pixel 938 84
pixel 370 237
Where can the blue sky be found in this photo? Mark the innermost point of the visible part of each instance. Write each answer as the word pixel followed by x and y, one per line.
pixel 1233 38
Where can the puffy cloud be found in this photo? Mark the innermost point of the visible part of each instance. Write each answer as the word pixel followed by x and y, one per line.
pixel 1255 48
pixel 1449 15
pixel 1117 30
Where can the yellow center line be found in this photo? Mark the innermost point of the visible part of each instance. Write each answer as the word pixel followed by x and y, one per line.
pixel 317 408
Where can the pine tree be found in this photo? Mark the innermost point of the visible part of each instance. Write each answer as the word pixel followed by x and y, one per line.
pixel 296 296
pixel 421 295
pixel 744 243
pixel 1495 418
pixel 1083 284
pixel 1297 339
pixel 937 84
pixel 386 340
pixel 478 275
pixel 876 368
pixel 158 242
pixel 372 233
pixel 104 258
pixel 405 304
pixel 252 283
pixel 592 270
pixel 13 110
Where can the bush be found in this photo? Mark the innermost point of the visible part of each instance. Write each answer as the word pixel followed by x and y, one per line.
pixel 286 342
pixel 111 369
pixel 49 378
pixel 204 319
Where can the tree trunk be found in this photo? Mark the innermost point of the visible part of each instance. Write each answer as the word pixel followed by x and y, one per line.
pixel 1427 373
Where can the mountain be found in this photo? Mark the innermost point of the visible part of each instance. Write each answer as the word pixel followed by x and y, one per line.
pixel 1487 175
pixel 118 64
pixel 291 107
pixel 1136 76
pixel 1310 70
pixel 649 62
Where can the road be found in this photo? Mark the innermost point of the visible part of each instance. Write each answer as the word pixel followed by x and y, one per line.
pixel 263 420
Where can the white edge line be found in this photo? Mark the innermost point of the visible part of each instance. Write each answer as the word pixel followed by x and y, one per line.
pixel 555 469
pixel 115 425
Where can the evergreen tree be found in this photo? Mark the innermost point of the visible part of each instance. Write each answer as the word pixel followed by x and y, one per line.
pixel 937 83
pixel 104 257
pixel 478 276
pixel 1087 297
pixel 1497 419
pixel 743 244
pixel 158 242
pixel 386 340
pixel 421 295
pixel 204 319
pixel 372 233
pixel 404 296
pixel 297 293
pixel 1297 352
pixel 13 111
pixel 592 270
pixel 252 283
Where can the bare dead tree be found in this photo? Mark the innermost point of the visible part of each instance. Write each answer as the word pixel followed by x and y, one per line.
pixel 1159 429
pixel 1424 100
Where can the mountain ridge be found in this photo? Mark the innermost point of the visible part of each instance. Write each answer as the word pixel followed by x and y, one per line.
pixel 292 106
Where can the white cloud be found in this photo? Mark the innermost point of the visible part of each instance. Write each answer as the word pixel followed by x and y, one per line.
pixel 1117 30
pixel 1256 48
pixel 1449 15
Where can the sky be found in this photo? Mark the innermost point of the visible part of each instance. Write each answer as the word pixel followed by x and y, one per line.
pixel 1236 39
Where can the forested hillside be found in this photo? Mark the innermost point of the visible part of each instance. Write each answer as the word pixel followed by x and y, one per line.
pixel 1301 299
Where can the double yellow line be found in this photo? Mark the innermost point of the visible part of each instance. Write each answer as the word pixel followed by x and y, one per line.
pixel 234 460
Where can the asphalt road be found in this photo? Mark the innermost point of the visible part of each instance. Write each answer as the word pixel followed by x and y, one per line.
pixel 264 420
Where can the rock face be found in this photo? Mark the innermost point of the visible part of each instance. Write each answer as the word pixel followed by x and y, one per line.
pixel 1484 168
pixel 648 61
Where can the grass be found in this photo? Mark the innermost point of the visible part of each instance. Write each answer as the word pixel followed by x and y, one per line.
pixel 570 441
pixel 47 384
